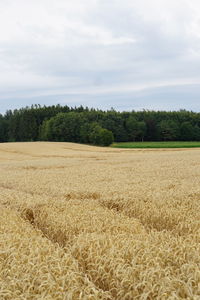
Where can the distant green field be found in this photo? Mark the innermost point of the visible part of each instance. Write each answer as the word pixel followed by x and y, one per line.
pixel 156 145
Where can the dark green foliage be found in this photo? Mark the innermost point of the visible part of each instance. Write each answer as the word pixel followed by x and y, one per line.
pixel 114 122
pixel 169 130
pixel 27 127
pixel 85 131
pixel 152 133
pixel 131 127
pixel 142 128
pixel 64 127
pixel 100 136
pixel 187 131
pixel 94 126
pixel 136 130
pixel 3 129
pixel 196 133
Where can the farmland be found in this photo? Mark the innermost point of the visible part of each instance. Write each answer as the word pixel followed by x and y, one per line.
pixel 85 222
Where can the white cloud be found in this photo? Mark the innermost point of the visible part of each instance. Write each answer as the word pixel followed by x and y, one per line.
pixel 97 47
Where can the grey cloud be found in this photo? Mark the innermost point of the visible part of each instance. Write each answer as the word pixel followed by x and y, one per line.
pixel 78 53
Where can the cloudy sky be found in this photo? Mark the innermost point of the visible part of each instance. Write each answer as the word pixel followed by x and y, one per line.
pixel 130 54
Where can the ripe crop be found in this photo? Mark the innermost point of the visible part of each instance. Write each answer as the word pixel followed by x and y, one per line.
pixel 82 222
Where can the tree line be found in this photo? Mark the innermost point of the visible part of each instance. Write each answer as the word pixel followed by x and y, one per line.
pixel 98 127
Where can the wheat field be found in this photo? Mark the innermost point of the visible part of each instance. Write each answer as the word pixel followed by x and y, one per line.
pixel 82 222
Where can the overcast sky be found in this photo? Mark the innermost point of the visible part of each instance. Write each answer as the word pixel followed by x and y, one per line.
pixel 130 54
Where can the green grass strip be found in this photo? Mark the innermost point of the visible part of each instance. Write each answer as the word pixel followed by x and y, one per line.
pixel 176 144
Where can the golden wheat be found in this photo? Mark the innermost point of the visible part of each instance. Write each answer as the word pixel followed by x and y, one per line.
pixel 82 222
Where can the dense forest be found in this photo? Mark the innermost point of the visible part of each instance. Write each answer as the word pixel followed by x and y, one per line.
pixel 98 127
